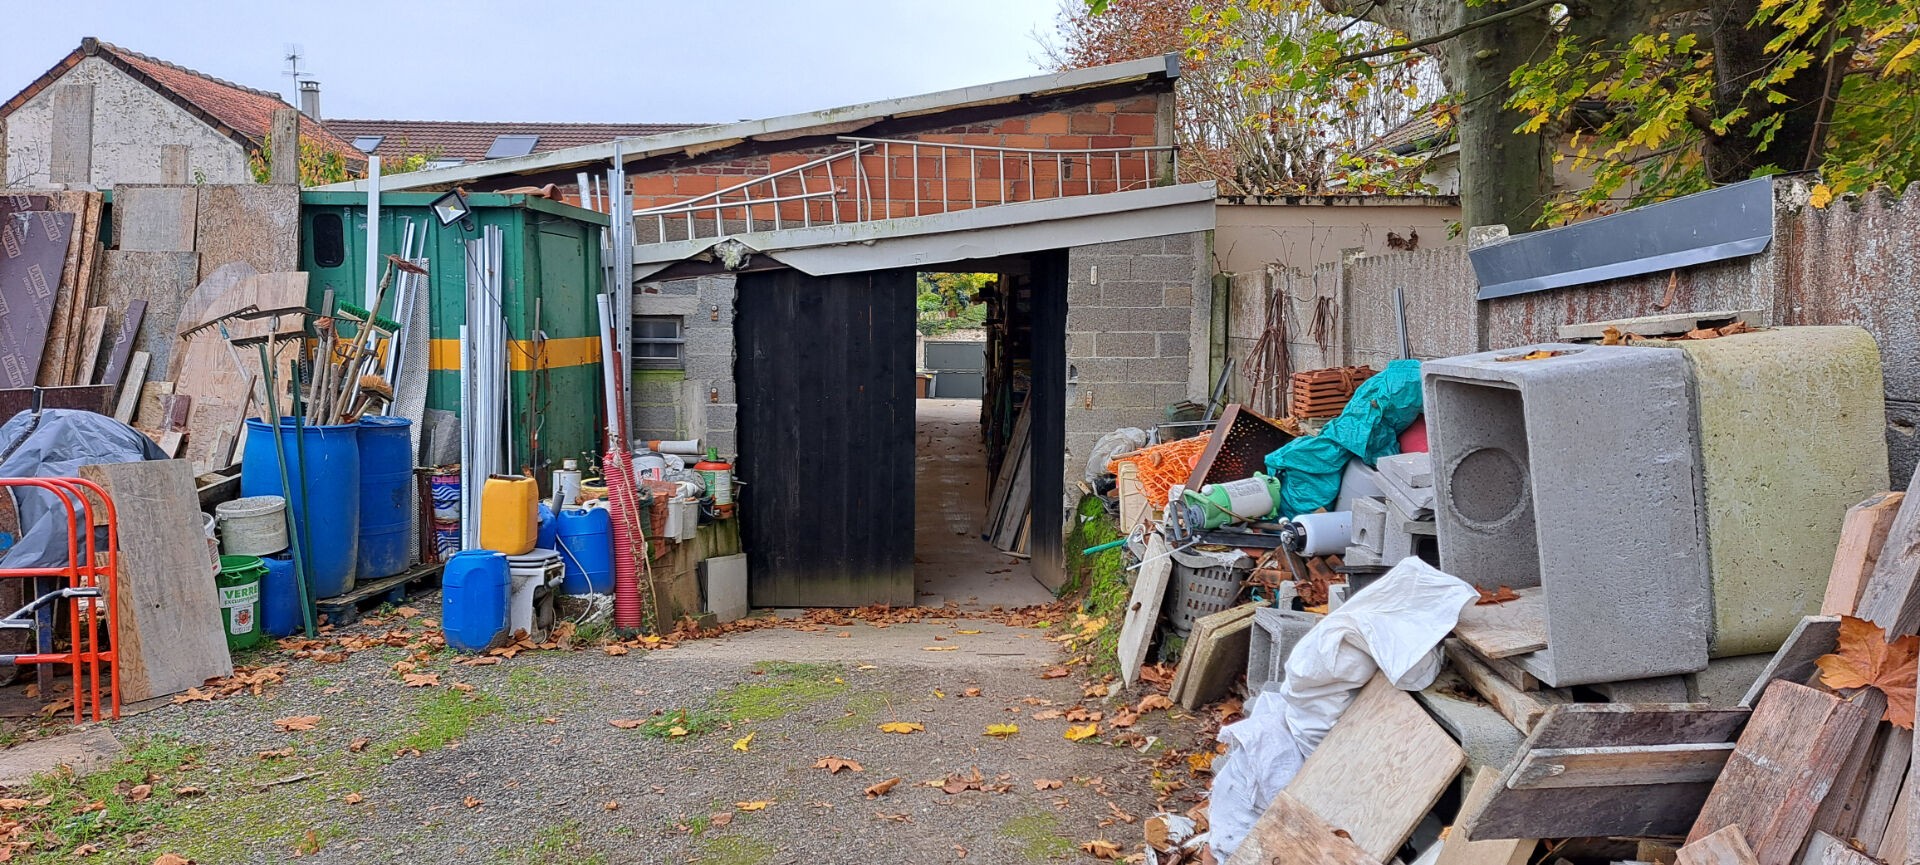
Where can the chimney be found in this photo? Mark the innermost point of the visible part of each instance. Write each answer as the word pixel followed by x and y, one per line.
pixel 310 99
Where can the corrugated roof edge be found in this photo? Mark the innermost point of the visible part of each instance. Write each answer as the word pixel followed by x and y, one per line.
pixel 337 197
pixel 1167 66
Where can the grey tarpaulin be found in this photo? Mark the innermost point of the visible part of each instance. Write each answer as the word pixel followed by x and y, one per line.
pixel 55 445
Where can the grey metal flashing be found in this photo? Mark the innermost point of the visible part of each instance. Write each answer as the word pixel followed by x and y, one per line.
pixel 829 121
pixel 1716 225
pixel 983 232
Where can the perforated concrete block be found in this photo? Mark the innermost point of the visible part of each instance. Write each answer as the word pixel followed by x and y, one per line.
pixel 1369 523
pixel 1411 470
pixel 1792 433
pixel 1275 632
pixel 1576 473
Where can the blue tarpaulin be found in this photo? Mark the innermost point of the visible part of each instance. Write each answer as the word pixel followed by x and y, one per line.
pixel 1369 428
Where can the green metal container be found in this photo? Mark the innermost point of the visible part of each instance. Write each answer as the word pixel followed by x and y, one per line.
pixel 552 274
pixel 239 584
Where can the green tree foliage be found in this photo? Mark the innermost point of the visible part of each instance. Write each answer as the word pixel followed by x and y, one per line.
pixel 319 165
pixel 951 301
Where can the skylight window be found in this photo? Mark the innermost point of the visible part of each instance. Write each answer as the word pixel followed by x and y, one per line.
pixel 368 143
pixel 511 145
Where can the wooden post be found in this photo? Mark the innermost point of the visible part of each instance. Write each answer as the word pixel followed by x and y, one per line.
pixel 285 156
pixel 71 157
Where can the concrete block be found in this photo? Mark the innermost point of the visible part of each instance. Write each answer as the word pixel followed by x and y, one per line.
pixel 1399 520
pixel 1175 345
pixel 723 582
pixel 1276 631
pixel 1336 595
pixel 1411 470
pixel 1361 557
pixel 1489 739
pixel 1576 473
pixel 1417 503
pixel 1792 433
pixel 1127 293
pixel 1164 268
pixel 1725 681
pixel 1659 689
pixel 1178 297
pixel 1369 524
pixel 1127 345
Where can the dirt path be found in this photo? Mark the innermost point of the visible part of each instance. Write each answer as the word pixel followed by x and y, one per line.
pixel 519 762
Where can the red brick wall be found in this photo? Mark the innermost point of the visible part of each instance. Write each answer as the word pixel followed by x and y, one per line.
pixel 885 184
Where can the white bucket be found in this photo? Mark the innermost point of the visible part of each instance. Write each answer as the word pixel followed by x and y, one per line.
pixel 253 526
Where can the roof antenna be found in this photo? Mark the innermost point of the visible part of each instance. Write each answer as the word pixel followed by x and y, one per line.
pixel 293 55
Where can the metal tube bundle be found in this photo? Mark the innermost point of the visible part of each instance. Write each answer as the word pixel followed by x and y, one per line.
pixel 483 378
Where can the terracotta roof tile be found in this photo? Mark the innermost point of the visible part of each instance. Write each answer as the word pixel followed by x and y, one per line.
pixel 243 109
pixel 470 141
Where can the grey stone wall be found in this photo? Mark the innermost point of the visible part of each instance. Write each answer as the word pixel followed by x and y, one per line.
pixel 705 305
pixel 1138 313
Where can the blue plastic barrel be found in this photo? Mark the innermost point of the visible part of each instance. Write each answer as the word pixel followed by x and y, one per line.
pixel 473 599
pixel 331 515
pixel 548 533
pixel 386 484
pixel 585 536
pixel 279 597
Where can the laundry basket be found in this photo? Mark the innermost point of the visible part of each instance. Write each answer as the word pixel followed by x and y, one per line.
pixel 1202 586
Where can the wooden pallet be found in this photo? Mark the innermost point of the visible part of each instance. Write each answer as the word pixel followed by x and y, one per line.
pixel 346 609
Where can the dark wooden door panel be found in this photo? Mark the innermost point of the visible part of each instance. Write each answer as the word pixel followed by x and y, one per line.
pixel 825 376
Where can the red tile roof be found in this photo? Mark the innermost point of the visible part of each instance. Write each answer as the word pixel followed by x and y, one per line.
pixel 241 113
pixel 469 141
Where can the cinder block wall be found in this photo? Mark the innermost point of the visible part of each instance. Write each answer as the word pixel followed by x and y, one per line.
pixel 1137 321
pixel 705 307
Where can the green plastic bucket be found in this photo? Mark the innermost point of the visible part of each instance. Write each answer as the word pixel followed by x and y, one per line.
pixel 239 584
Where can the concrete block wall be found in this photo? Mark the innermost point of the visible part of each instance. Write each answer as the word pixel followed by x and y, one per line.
pixel 705 307
pixel 1138 313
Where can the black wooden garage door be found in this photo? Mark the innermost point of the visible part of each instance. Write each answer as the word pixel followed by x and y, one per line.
pixel 825 372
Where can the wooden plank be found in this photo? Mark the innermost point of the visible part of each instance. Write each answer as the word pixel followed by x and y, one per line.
pixel 1522 709
pixel 1891 598
pixel 1793 661
pixel 1841 811
pixel 258 224
pixel 1725 847
pixel 1786 762
pixel 1512 672
pixel 94 331
pixel 1380 769
pixel 1862 535
pixel 163 280
pixel 1504 630
pixel 1644 810
pixel 85 286
pixel 169 637
pixel 1893 845
pixel 1628 766
pixel 1143 607
pixel 123 338
pixel 63 286
pixel 1824 849
pixel 1003 479
pixel 1886 778
pixel 1290 833
pixel 152 412
pixel 1457 849
pixel 154 218
pixel 130 391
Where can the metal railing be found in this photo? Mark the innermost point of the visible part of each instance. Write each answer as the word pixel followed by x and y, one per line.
pixel 913 178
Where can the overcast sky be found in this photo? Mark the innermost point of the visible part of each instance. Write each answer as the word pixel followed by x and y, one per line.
pixel 579 60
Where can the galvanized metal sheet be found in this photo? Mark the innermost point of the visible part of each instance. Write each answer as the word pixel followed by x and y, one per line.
pixel 1728 222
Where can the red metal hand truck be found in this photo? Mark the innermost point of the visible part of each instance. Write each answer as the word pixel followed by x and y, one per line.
pixel 89 592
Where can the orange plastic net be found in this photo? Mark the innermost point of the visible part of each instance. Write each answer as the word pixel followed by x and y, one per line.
pixel 1163 465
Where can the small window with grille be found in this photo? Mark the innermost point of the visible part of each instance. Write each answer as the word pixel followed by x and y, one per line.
pixel 657 343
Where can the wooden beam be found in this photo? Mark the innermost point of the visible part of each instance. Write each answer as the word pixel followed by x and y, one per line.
pixel 1862 535
pixel 1891 598
pixel 91 334
pixel 1456 849
pixel 1380 769
pixel 284 159
pixel 1628 766
pixel 1794 747
pixel 1522 709
pixel 136 381
pixel 1725 847
pixel 1793 661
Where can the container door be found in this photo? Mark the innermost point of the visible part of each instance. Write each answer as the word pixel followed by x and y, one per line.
pixel 825 372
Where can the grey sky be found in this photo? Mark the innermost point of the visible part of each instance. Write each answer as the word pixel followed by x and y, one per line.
pixel 580 60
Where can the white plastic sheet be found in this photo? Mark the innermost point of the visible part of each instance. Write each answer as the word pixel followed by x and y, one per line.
pixel 1393 626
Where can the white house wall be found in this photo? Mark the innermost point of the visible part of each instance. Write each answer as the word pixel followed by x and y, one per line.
pixel 130 124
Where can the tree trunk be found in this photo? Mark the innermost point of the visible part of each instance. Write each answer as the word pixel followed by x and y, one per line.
pixel 1506 176
pixel 1739 59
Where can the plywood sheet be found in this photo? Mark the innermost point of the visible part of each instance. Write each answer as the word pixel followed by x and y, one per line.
pixel 1457 849
pixel 154 218
pixel 1797 743
pixel 126 329
pixel 1143 607
pixel 1290 833
pixel 1380 769
pixel 258 224
pixel 1504 630
pixel 161 279
pixel 33 252
pixel 170 637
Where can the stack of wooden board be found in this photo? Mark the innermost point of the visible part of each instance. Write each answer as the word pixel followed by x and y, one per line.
pixel 52 333
pixel 1325 392
pixel 1008 505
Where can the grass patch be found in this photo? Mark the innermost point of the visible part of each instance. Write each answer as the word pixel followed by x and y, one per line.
pixel 443 718
pixel 543 694
pixel 71 819
pixel 863 712
pixel 783 688
pixel 1102 576
pixel 558 843
pixel 680 723
pixel 1038 834
pixel 732 850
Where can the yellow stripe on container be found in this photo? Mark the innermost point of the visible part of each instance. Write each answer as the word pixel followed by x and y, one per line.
pixel 444 354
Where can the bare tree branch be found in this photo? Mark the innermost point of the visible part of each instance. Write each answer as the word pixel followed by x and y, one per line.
pixel 1436 38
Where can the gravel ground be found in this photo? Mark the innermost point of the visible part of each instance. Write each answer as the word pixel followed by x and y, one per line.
pixel 526 767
